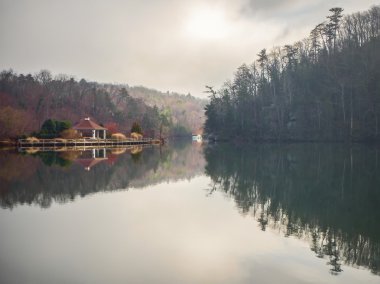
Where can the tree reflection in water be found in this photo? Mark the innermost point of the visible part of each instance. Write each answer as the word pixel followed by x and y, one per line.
pixel 47 177
pixel 326 194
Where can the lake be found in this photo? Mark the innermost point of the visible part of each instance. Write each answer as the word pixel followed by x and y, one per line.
pixel 192 213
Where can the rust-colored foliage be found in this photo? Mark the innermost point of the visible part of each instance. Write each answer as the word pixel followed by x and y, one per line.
pixel 16 167
pixel 14 122
pixel 136 135
pixel 70 155
pixel 118 136
pixel 112 127
pixel 26 101
pixel 70 134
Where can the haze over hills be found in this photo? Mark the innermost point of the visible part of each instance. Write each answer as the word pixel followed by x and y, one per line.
pixel 186 110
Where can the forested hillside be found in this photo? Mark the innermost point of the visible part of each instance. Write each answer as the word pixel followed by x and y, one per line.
pixel 185 110
pixel 26 101
pixel 325 87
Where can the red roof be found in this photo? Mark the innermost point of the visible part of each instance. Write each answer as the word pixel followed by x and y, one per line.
pixel 89 163
pixel 87 124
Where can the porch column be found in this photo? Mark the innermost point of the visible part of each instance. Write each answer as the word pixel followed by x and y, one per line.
pixel 94 133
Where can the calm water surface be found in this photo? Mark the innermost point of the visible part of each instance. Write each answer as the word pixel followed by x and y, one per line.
pixel 187 213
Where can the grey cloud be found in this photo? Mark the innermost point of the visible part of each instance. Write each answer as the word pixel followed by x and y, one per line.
pixel 252 7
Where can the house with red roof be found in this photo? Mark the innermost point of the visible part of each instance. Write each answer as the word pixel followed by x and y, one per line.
pixel 90 129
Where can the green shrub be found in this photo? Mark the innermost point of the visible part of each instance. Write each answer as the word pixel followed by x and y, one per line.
pixel 51 128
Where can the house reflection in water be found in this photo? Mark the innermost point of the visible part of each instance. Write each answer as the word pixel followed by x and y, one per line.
pixel 90 158
pixel 197 138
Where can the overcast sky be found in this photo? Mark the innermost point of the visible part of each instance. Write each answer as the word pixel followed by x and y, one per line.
pixel 163 44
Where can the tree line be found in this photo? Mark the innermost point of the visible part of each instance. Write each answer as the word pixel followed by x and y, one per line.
pixel 325 87
pixel 186 110
pixel 28 101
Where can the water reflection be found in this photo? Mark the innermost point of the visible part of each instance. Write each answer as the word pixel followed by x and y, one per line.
pixel 44 177
pixel 328 195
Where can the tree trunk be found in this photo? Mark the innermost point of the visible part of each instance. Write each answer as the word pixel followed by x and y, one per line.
pixel 343 178
pixel 376 125
pixel 351 116
pixel 343 103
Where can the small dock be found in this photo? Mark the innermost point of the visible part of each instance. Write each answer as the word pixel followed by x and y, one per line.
pixel 57 144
